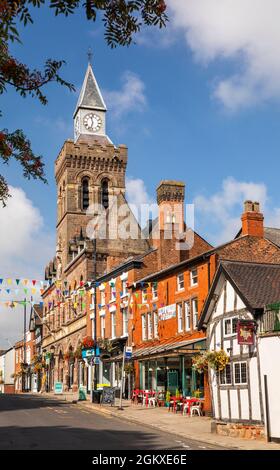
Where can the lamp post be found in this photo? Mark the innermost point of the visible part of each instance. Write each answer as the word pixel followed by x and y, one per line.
pixel 95 312
pixel 24 346
pixel 23 383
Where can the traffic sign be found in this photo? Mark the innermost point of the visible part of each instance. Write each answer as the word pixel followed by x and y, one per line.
pixel 128 352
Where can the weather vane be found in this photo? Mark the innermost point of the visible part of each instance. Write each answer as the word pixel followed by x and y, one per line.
pixel 89 54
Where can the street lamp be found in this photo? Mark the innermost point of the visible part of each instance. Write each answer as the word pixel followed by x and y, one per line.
pixel 12 305
pixel 95 310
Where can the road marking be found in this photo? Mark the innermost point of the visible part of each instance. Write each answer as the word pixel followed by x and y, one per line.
pixel 61 412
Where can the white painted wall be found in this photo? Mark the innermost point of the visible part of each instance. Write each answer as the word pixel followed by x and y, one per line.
pixel 269 348
pixel 255 391
pixel 252 369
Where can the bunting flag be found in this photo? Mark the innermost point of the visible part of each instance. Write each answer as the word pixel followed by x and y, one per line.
pixel 24 282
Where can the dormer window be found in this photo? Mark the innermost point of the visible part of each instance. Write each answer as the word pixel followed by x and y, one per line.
pixel 85 194
pixel 105 194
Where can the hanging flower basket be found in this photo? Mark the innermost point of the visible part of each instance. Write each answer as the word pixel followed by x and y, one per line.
pixel 129 368
pixel 216 360
pixel 78 352
pixel 87 342
pixel 105 345
pixel 24 368
pixel 68 355
pixel 200 363
pixel 37 367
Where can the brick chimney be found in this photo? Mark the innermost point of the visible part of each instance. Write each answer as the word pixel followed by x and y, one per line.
pixel 170 199
pixel 252 220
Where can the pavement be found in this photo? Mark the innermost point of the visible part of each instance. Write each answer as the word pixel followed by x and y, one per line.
pixel 183 427
pixel 39 422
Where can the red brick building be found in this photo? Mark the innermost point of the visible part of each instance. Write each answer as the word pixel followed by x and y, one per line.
pixel 117 311
pixel 167 306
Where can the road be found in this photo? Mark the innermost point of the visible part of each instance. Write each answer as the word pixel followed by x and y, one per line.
pixel 31 422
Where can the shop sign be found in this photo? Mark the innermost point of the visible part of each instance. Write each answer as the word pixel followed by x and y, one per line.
pixel 87 353
pixel 58 388
pixel 165 313
pixel 246 332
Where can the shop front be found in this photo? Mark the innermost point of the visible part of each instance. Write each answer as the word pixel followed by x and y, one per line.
pixel 170 368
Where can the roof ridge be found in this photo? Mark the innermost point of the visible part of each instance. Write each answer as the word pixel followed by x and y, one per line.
pixel 251 263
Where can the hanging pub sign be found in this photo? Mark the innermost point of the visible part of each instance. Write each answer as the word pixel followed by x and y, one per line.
pixel 246 330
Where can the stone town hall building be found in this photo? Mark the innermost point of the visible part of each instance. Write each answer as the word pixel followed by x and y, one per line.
pixel 89 170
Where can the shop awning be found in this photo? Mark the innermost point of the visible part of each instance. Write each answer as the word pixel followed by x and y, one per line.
pixel 179 347
pixel 191 346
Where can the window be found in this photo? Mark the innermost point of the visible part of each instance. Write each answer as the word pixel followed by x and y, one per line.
pixel 240 373
pixel 113 292
pixel 125 321
pixel 124 288
pixel 144 296
pixel 187 316
pixel 155 290
pixel 144 328
pixel 180 282
pixel 85 194
pixel 195 312
pixel 150 326
pixel 102 297
pixel 102 326
pixel 180 317
pixel 113 325
pixel 194 277
pixel 105 194
pixel 92 305
pixel 230 326
pixel 225 375
pixel 156 324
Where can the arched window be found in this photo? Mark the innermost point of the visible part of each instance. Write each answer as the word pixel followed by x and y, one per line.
pixel 105 194
pixel 85 194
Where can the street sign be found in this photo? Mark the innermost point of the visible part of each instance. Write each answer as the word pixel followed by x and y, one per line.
pixel 128 352
pixel 87 353
pixel 58 388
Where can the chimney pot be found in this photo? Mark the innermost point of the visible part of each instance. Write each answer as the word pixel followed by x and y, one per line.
pixel 252 220
pixel 248 206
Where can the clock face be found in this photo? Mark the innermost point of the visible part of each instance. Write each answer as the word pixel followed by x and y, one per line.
pixel 92 122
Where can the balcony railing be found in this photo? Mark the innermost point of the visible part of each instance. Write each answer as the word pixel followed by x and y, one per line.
pixel 270 321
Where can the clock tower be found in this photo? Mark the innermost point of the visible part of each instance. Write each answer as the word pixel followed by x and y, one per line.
pixel 90 112
pixel 90 173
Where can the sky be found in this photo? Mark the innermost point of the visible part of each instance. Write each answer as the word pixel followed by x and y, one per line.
pixel 197 102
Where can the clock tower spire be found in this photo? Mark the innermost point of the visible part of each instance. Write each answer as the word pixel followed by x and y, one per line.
pixel 90 113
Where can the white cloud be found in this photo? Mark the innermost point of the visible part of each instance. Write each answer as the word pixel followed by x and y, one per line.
pixel 25 248
pixel 136 192
pixel 141 203
pixel 157 38
pixel 221 212
pixel 244 31
pixel 131 97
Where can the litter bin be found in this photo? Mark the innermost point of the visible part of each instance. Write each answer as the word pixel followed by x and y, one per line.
pixel 96 396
